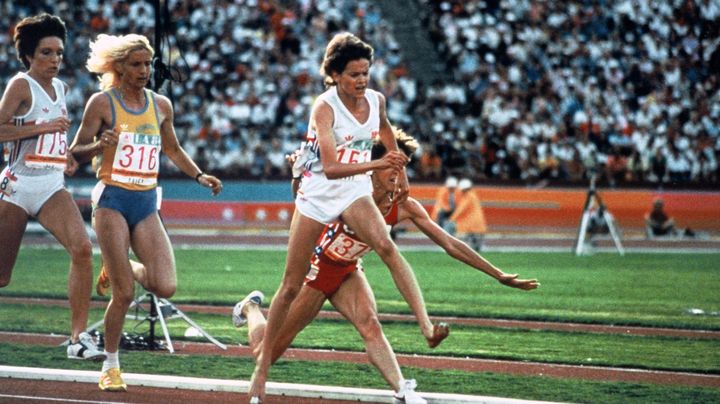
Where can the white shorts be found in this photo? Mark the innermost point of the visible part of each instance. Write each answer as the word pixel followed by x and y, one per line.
pixel 325 200
pixel 30 193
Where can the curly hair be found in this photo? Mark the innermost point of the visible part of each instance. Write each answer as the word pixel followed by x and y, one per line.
pixel 31 30
pixel 107 50
pixel 406 143
pixel 342 49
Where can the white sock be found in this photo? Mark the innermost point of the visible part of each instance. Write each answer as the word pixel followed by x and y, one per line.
pixel 112 361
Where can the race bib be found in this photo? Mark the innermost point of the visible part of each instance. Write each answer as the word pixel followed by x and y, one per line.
pixel 347 155
pixel 137 159
pixel 50 151
pixel 7 182
pixel 346 248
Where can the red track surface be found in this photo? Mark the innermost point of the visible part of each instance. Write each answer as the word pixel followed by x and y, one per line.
pixel 34 391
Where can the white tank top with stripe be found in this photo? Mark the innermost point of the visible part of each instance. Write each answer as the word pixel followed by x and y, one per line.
pixel 353 138
pixel 46 153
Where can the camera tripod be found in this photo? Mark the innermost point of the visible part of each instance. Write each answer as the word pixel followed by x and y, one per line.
pixel 593 199
pixel 150 308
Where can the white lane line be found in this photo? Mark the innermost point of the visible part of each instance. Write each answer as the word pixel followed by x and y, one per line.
pixel 63 400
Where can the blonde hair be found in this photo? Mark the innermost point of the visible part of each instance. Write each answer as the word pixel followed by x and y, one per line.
pixel 110 49
pixel 406 143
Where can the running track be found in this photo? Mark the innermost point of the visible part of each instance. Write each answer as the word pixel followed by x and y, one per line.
pixel 440 362
pixel 18 390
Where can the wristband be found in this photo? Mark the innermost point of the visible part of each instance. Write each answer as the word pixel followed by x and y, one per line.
pixel 197 177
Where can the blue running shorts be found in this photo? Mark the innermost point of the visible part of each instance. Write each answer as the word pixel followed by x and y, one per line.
pixel 134 206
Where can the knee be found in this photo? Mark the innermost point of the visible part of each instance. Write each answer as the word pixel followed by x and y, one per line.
pixel 81 251
pixel 287 293
pixel 164 291
pixel 384 247
pixel 164 288
pixel 369 327
pixel 122 296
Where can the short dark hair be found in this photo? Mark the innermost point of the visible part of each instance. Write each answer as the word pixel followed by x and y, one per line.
pixel 342 49
pixel 406 143
pixel 31 30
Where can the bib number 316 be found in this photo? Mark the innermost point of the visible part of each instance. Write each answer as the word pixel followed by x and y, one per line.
pixel 136 159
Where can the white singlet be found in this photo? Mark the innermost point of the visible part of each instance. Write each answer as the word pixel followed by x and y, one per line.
pixel 35 165
pixel 323 199
pixel 46 153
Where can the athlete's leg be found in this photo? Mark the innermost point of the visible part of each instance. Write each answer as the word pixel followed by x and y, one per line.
pixel 60 216
pixel 103 284
pixel 151 245
pixel 113 236
pixel 355 301
pixel 302 312
pixel 303 234
pixel 12 227
pixel 365 220
pixel 256 326
pixel 139 272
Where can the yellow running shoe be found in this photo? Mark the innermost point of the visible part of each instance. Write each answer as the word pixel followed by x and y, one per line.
pixel 102 285
pixel 111 380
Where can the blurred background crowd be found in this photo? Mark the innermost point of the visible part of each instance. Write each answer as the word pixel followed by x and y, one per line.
pixel 500 91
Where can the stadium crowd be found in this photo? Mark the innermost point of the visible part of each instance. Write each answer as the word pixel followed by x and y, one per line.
pixel 536 91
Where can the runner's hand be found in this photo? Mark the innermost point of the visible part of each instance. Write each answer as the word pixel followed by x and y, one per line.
pixel 211 182
pixel 59 125
pixel 292 157
pixel 71 165
pixel 392 159
pixel 108 138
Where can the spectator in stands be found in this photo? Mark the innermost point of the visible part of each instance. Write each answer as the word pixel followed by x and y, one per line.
pixel 616 167
pixel 276 166
pixel 430 165
pixel 678 165
pixel 658 166
pixel 623 90
pixel 659 223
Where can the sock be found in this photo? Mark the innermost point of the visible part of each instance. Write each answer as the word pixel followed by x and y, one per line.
pixel 112 361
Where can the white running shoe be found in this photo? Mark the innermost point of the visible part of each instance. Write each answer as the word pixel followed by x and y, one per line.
pixel 85 349
pixel 407 394
pixel 238 317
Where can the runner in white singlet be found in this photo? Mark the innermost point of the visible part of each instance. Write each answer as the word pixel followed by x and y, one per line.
pixel 335 162
pixel 33 125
